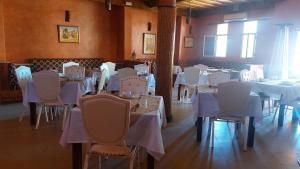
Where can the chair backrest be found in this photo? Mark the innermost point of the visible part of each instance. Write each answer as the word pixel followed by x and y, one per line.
pixel 125 72
pixel 246 75
pixel 134 84
pixel 141 68
pixel 75 72
pixel 101 81
pixel 192 75
pixel 202 67
pixel 47 85
pixel 105 67
pixel 65 65
pixel 176 69
pixel 233 97
pixel 23 75
pixel 216 78
pixel 111 67
pixel 257 72
pixel 106 118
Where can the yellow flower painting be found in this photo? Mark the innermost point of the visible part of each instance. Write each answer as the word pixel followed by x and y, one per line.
pixel 68 34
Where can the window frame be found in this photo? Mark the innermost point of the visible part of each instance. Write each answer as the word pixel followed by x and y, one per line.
pixel 216 40
pixel 247 46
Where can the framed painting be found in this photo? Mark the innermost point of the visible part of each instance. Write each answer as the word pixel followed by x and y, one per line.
pixel 68 34
pixel 149 44
pixel 188 42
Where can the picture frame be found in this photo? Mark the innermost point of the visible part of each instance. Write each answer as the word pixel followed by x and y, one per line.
pixel 149 44
pixel 188 42
pixel 68 34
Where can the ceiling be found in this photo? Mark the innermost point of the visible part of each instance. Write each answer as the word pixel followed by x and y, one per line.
pixel 205 4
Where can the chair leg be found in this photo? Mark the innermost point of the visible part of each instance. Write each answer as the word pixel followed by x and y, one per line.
pixel 21 116
pixel 39 117
pixel 275 113
pixel 64 117
pixel 86 161
pixel 269 106
pixel 99 162
pixel 131 160
pixel 46 114
pixel 245 133
pixel 212 134
pixel 51 113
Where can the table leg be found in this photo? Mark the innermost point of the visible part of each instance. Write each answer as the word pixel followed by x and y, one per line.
pixel 178 92
pixel 76 156
pixel 150 162
pixel 32 107
pixel 199 128
pixel 281 115
pixel 295 115
pixel 251 132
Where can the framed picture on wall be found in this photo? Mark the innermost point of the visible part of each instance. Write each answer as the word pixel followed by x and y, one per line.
pixel 149 44
pixel 188 42
pixel 68 34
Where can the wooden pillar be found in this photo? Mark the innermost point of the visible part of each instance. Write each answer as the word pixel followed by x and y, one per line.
pixel 165 51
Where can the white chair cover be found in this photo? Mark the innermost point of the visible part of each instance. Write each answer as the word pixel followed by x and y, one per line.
pixel 23 75
pixel 214 79
pixel 141 69
pixel 233 97
pixel 192 75
pixel 203 68
pixel 69 64
pixel 125 72
pixel 176 69
pixel 134 84
pixel 246 75
pixel 75 72
pixel 111 67
pixel 47 86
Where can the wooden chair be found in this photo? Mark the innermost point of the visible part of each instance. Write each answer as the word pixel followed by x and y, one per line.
pixel 23 75
pixel 233 98
pixel 135 84
pixel 65 65
pixel 48 88
pixel 126 72
pixel 106 120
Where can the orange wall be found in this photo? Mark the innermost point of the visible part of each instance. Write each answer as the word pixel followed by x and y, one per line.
pixel 31 29
pixel 2 36
pixel 139 26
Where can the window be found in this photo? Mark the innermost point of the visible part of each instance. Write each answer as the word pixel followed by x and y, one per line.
pixel 249 39
pixel 221 46
pixel 296 59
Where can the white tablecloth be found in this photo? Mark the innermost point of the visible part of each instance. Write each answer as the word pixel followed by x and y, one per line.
pixel 289 90
pixel 145 132
pixel 180 79
pixel 113 83
pixel 206 105
pixel 70 91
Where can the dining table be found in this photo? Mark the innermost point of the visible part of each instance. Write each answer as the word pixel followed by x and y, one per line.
pixel 70 93
pixel 113 83
pixel 286 91
pixel 146 123
pixel 205 104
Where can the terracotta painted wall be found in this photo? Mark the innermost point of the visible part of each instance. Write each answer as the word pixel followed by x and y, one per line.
pixel 284 12
pixel 139 26
pixel 31 29
pixel 2 36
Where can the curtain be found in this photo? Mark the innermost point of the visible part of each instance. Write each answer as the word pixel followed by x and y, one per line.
pixel 278 68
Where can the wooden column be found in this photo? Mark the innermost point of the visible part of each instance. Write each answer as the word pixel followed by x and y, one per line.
pixel 165 51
